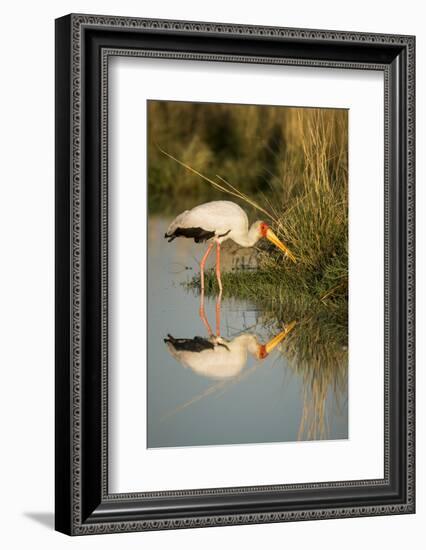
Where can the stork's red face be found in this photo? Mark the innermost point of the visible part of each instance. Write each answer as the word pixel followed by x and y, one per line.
pixel 263 229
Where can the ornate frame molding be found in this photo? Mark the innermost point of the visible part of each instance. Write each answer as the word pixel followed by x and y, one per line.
pixel 72 47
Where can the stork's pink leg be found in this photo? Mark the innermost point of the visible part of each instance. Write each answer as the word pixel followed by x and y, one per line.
pixel 203 314
pixel 218 302
pixel 219 281
pixel 203 263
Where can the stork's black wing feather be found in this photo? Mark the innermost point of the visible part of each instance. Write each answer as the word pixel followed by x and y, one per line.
pixel 197 233
pixel 196 344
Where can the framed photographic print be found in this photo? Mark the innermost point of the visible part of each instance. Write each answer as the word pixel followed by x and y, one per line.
pixel 234 274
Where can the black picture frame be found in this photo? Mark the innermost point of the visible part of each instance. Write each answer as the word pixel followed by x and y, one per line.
pixel 83 45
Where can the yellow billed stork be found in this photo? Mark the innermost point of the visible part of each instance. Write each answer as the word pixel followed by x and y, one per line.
pixel 217 221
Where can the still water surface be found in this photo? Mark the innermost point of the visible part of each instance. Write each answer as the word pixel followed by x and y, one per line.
pixel 249 400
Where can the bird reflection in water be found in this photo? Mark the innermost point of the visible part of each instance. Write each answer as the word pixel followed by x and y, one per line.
pixel 218 358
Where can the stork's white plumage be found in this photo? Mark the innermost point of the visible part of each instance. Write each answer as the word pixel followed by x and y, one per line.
pixel 222 219
pixel 217 221
pixel 214 357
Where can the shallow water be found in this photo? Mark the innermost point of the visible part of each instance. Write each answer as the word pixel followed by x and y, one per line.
pixel 241 400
